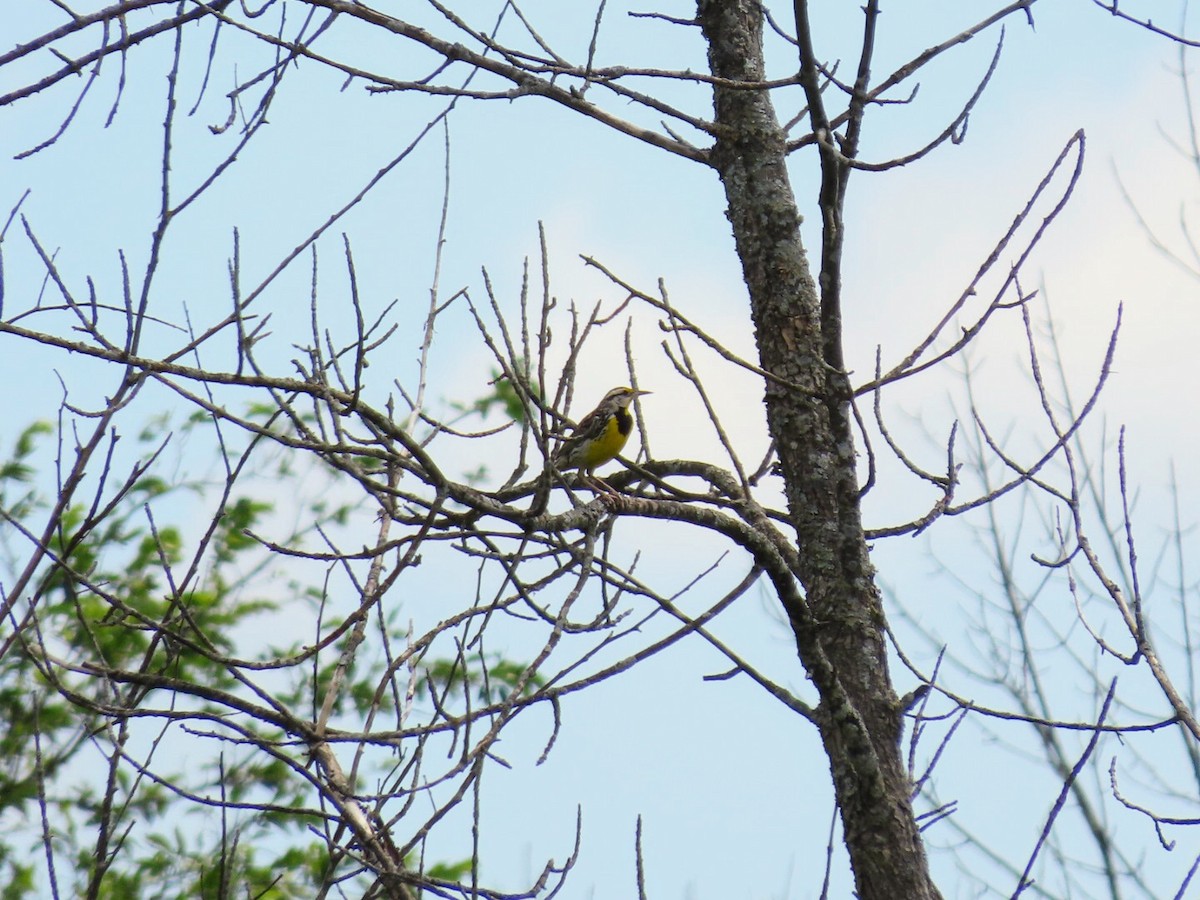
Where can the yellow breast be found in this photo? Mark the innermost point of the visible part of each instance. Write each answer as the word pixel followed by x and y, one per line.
pixel 605 447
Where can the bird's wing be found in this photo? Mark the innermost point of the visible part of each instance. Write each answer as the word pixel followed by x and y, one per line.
pixel 590 426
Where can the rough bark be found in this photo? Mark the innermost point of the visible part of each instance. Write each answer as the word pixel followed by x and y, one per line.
pixel 839 623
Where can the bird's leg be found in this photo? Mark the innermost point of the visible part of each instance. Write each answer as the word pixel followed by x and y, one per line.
pixel 598 484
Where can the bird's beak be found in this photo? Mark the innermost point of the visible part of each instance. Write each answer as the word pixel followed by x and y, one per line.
pixel 642 393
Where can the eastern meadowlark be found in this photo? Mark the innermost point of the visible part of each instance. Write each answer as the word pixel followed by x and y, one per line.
pixel 600 435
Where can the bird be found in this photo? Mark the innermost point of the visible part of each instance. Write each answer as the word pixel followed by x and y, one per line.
pixel 599 436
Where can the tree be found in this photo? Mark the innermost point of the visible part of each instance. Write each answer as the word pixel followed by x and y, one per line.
pixel 337 754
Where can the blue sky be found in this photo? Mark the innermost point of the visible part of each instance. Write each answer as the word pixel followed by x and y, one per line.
pixel 731 788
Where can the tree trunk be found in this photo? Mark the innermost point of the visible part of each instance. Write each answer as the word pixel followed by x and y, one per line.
pixel 839 625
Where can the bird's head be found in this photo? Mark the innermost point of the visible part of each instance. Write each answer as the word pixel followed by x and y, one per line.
pixel 621 397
